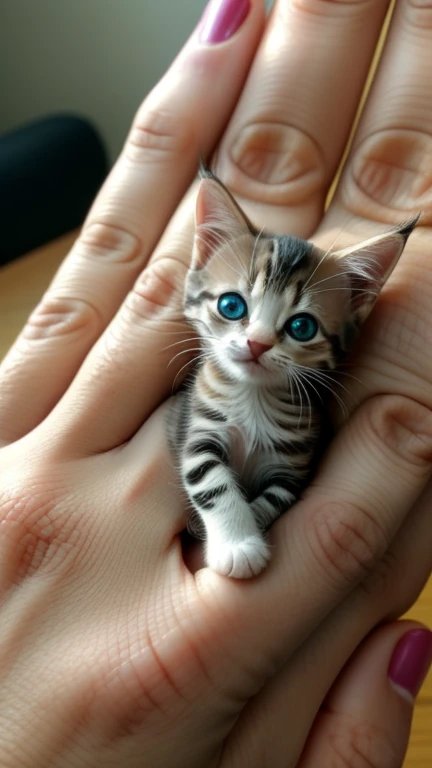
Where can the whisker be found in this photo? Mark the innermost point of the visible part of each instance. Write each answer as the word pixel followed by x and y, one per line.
pixel 183 341
pixel 230 266
pixel 329 277
pixel 294 380
pixel 344 409
pixel 252 265
pixel 323 258
pixel 223 241
pixel 312 274
pixel 184 352
pixel 189 362
pixel 295 395
pixel 318 374
pixel 329 249
pixel 340 372
pixel 307 397
pixel 183 320
pixel 333 379
pixel 303 377
pixel 357 292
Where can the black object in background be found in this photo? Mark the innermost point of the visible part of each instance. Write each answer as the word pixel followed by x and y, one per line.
pixel 50 172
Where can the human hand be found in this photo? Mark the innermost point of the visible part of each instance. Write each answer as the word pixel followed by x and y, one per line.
pixel 114 653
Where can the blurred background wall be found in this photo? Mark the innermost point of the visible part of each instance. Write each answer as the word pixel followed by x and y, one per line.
pixel 96 58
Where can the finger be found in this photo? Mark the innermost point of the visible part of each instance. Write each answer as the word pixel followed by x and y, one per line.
pixel 331 540
pixel 367 716
pixel 388 174
pixel 182 117
pixel 296 693
pixel 387 177
pixel 288 133
pixel 131 368
pixel 341 697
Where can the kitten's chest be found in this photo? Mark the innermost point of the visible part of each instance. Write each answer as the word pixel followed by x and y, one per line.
pixel 259 422
pixel 253 425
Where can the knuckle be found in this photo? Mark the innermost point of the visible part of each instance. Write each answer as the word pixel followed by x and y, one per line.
pixel 274 163
pixel 389 177
pixel 379 582
pixel 359 745
pixel 106 240
pixel 158 289
pixel 404 427
pixel 60 316
pixel 418 14
pixel 388 582
pixel 158 134
pixel 345 540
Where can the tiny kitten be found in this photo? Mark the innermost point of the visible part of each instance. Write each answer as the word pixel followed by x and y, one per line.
pixel 274 315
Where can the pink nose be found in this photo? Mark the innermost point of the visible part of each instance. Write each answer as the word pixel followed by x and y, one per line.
pixel 257 348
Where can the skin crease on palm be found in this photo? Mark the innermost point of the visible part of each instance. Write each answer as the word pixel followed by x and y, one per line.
pixel 113 652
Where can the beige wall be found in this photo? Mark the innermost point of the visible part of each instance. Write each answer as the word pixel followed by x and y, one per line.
pixel 93 57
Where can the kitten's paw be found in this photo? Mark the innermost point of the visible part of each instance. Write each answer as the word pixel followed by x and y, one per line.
pixel 241 559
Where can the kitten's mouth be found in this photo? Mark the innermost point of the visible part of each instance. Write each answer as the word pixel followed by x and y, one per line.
pixel 251 364
pixel 254 361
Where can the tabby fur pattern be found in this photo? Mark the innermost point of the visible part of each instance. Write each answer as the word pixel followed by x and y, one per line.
pixel 249 419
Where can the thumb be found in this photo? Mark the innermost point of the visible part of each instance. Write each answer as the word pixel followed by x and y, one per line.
pixel 366 718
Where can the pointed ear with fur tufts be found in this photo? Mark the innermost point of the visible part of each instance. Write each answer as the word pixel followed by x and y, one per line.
pixel 368 266
pixel 218 219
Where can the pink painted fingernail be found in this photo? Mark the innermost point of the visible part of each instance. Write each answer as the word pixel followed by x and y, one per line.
pixel 222 19
pixel 410 662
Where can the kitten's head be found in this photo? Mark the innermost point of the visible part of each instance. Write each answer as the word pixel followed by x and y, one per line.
pixel 268 306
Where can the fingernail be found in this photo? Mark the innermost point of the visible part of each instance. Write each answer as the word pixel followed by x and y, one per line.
pixel 410 662
pixel 222 19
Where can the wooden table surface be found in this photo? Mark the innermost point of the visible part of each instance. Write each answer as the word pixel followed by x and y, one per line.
pixel 21 285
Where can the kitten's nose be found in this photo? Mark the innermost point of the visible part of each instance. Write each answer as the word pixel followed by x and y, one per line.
pixel 257 348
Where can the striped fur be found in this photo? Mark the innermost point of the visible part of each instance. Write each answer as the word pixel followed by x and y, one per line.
pixel 249 428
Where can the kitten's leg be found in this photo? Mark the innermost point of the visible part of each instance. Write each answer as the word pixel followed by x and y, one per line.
pixel 270 505
pixel 275 497
pixel 235 546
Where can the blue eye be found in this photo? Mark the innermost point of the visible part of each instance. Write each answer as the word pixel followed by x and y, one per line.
pixel 302 327
pixel 232 306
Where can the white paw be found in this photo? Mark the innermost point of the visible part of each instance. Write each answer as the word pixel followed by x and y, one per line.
pixel 241 559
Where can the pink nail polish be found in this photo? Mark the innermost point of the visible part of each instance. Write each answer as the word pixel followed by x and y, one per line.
pixel 222 19
pixel 410 662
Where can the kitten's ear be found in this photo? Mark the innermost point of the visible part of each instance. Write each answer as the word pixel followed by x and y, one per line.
pixel 218 219
pixel 369 264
